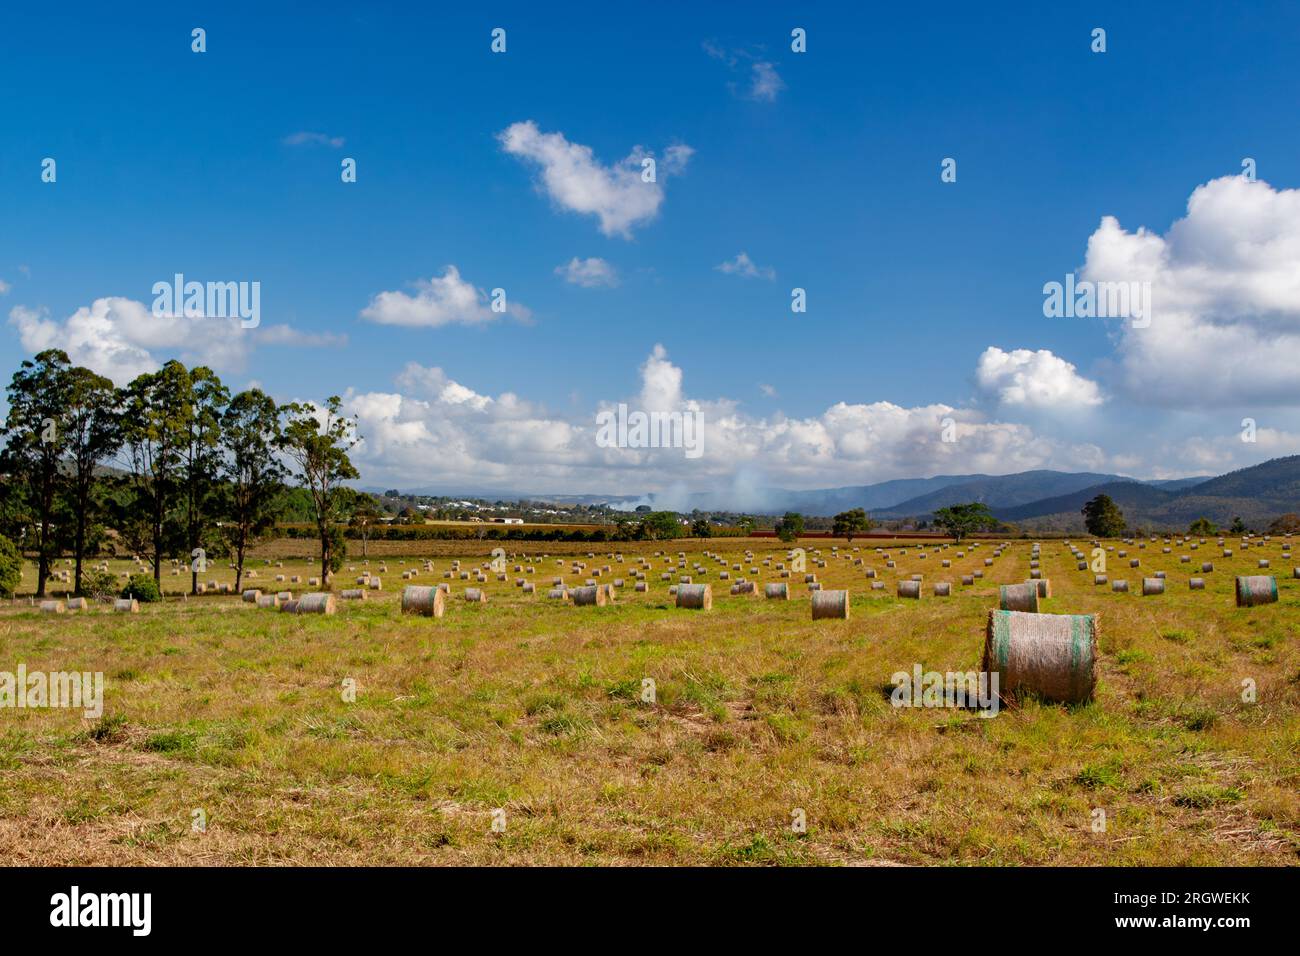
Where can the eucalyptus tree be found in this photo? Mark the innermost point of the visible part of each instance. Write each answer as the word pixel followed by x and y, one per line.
pixel 92 427
pixel 34 443
pixel 317 439
pixel 200 456
pixel 156 410
pixel 252 475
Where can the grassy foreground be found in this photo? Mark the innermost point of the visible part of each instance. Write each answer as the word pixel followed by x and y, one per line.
pixel 535 708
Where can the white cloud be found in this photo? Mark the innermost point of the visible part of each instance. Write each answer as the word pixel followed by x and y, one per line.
pixel 575 180
pixel 768 390
pixel 765 83
pixel 122 338
pixel 1038 380
pixel 1225 297
pixel 305 138
pixel 443 300
pixel 744 266
pixel 436 431
pixel 4 287
pixel 590 273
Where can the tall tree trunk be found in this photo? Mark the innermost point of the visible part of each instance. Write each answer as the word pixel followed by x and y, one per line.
pixel 79 546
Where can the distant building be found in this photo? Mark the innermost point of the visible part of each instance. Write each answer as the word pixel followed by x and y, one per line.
pixel 508 520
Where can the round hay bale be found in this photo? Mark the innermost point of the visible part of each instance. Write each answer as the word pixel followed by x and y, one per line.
pixel 1081 566
pixel 830 604
pixel 909 589
pixel 422 600
pixel 942 589
pixel 250 596
pixel 1019 597
pixel 1119 586
pixel 53 607
pixel 353 594
pixel 1295 572
pixel 284 596
pixel 1099 579
pixel 289 607
pixel 1196 584
pixel 589 596
pixel 1153 586
pixel 78 604
pixel 318 602
pixel 268 600
pixel 1263 562
pixel 558 594
pixel 877 585
pixel 126 606
pixel 1134 563
pixel 967 580
pixel 1207 567
pixel 1053 656
pixel 475 595
pixel 698 597
pixel 1253 589
pixel 777 592
pixel 1035 575
pixel 745 587
pixel 1044 586
pixel 641 587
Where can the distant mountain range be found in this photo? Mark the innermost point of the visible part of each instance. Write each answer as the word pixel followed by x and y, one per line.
pixel 1032 500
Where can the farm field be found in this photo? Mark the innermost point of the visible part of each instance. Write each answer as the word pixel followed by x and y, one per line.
pixel 534 707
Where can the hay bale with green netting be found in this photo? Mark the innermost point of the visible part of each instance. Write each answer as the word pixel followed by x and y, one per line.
pixel 1019 597
pixel 698 597
pixel 1052 656
pixel 422 600
pixel 318 602
pixel 1256 589
pixel 830 604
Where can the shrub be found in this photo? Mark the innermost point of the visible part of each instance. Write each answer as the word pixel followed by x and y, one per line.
pixel 98 584
pixel 143 588
pixel 11 567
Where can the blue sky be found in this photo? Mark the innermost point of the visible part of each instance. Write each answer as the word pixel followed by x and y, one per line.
pixel 827 178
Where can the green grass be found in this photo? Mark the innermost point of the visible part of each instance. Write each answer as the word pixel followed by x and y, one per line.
pixel 535 708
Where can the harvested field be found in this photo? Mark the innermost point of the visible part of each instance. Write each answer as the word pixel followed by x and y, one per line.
pixel 535 706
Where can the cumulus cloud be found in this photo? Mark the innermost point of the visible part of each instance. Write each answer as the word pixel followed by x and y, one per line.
pixel 593 273
pixel 575 180
pixel 436 431
pixel 1038 380
pixel 443 300
pixel 744 266
pixel 1225 297
pixel 122 338
pixel 4 287
pixel 305 138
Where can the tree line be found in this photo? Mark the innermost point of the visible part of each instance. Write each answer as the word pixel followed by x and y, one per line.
pixel 172 462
